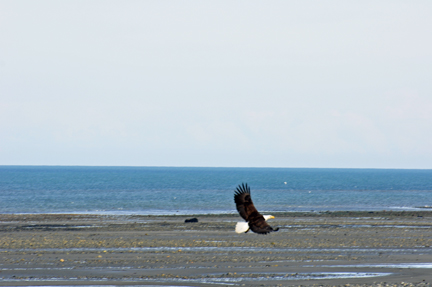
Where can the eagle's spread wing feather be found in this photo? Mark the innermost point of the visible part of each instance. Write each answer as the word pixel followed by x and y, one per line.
pixel 244 202
pixel 247 210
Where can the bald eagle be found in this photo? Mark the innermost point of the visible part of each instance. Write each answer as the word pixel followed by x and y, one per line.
pixel 254 220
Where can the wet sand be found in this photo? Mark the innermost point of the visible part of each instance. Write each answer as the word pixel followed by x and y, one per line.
pixel 311 249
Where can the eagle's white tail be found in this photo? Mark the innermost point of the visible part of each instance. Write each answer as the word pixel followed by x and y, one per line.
pixel 242 227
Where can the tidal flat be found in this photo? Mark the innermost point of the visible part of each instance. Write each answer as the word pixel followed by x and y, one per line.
pixel 311 249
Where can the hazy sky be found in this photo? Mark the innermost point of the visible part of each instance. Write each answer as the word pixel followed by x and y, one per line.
pixel 216 83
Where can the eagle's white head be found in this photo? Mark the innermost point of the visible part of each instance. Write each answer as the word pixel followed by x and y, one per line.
pixel 267 217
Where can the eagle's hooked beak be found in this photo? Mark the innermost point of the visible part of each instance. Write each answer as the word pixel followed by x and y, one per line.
pixel 271 217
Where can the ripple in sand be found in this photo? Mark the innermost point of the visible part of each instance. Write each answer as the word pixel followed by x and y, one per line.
pixel 387 265
pixel 224 278
pixel 279 277
pixel 230 249
pixel 58 226
pixel 311 227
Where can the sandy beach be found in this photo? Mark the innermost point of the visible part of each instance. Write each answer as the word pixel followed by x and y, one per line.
pixel 311 249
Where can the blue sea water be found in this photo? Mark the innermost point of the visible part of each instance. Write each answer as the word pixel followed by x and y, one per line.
pixel 189 190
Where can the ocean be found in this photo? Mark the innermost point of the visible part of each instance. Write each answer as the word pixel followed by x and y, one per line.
pixel 206 190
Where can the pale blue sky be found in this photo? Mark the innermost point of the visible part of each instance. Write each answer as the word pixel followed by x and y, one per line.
pixel 216 83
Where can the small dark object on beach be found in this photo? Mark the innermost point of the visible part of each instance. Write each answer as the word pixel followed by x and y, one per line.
pixel 191 220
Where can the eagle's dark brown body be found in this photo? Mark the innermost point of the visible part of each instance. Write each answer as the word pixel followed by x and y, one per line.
pixel 247 210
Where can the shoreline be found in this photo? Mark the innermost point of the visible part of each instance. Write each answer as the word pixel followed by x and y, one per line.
pixel 327 213
pixel 311 249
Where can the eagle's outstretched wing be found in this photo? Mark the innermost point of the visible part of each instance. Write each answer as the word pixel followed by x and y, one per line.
pixel 247 210
pixel 244 202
